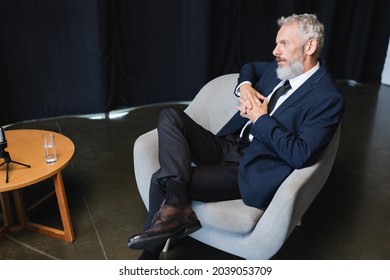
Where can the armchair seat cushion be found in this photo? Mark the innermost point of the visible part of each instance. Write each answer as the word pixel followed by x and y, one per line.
pixel 231 216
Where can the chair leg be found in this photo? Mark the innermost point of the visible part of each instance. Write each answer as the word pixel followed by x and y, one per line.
pixel 166 247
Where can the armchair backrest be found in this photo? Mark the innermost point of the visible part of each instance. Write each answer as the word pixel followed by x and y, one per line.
pixel 215 103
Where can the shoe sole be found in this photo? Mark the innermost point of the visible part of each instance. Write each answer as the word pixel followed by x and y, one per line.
pixel 148 242
pixel 154 241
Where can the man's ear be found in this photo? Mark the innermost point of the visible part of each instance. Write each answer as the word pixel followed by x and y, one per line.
pixel 311 46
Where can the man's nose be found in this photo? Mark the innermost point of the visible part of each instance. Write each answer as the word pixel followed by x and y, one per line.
pixel 276 51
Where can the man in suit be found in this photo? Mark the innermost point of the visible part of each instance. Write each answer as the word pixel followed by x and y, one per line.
pixel 288 111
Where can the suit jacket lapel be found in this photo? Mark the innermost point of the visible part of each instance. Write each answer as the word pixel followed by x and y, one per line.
pixel 298 94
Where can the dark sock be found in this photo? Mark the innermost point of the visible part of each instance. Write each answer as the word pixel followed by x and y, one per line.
pixel 176 193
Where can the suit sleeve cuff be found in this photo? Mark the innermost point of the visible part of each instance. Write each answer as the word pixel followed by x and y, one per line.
pixel 237 91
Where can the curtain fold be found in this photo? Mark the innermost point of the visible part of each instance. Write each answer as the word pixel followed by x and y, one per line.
pixel 66 57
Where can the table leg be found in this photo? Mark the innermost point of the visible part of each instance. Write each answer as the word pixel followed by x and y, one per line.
pixel 5 213
pixel 3 230
pixel 64 209
pixel 20 212
pixel 67 234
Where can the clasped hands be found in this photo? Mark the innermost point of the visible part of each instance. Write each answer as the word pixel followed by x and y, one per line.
pixel 252 104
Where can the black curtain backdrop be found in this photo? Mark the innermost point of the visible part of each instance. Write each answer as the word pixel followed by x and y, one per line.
pixel 66 57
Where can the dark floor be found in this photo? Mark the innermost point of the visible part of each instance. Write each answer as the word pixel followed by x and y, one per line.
pixel 348 220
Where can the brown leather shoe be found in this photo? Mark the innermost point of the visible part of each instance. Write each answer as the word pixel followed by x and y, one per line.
pixel 169 222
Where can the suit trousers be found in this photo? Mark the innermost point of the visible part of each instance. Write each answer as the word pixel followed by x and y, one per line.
pixel 206 164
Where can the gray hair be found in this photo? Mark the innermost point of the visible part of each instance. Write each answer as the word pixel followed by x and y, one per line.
pixel 310 27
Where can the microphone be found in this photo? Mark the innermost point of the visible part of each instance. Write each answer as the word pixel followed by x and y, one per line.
pixel 5 155
pixel 3 141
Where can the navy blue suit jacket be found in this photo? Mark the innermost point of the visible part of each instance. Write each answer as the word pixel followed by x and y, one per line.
pixel 292 138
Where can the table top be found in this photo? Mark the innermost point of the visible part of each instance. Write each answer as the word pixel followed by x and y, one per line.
pixel 25 146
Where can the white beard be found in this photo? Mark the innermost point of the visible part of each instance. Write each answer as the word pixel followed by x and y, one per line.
pixel 290 71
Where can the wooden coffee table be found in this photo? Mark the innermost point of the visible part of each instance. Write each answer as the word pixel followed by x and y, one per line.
pixel 25 146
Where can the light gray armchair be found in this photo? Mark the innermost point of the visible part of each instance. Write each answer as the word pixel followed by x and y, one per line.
pixel 232 226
